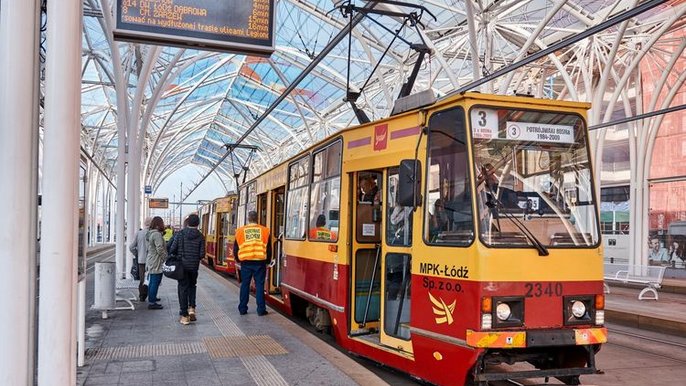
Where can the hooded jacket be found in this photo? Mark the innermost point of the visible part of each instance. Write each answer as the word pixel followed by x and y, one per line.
pixel 189 246
pixel 157 253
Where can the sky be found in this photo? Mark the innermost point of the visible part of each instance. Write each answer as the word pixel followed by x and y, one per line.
pixel 170 188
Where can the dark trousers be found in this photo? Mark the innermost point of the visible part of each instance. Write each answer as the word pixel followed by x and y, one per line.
pixel 248 271
pixel 142 292
pixel 187 289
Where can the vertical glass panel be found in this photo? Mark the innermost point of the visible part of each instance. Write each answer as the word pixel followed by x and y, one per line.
pixel 243 199
pixel 667 221
pixel 367 285
pixel 533 165
pixel 399 218
pixel 252 199
pixel 325 196
pixel 448 213
pixel 297 198
pixel 397 297
pixel 213 220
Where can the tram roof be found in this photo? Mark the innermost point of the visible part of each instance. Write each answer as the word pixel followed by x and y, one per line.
pixel 194 103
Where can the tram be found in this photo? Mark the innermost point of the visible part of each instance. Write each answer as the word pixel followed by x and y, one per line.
pixel 218 226
pixel 457 241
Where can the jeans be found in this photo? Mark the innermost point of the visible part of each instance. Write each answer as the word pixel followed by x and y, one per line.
pixel 248 271
pixel 155 280
pixel 186 289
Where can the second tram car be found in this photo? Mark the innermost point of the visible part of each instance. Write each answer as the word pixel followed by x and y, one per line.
pixel 458 242
pixel 218 226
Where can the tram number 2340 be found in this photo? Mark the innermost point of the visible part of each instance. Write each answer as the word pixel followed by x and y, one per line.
pixel 537 290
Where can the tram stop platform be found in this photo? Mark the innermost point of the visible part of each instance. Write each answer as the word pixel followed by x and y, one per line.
pixel 665 315
pixel 150 347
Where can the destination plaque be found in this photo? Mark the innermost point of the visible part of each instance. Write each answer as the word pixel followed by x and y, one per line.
pixel 242 26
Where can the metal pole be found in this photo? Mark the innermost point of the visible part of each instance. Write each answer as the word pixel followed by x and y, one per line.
pixel 56 334
pixel 181 206
pixel 19 29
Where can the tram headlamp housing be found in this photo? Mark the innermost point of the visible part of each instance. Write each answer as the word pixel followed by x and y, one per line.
pixel 579 309
pixel 508 311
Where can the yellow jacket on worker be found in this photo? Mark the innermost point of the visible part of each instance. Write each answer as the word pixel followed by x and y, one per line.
pixel 252 244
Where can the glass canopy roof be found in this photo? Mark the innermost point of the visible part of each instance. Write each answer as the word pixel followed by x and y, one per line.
pixel 194 103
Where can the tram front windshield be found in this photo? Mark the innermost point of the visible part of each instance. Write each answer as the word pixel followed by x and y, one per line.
pixel 533 175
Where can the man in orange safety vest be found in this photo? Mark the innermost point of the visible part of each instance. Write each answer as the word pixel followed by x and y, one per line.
pixel 253 252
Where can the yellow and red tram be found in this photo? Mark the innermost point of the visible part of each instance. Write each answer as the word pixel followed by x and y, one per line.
pixel 218 226
pixel 451 241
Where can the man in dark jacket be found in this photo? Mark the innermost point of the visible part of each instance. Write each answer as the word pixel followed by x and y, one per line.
pixel 189 247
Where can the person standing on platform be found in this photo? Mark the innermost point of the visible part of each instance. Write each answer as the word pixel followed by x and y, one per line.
pixel 189 246
pixel 168 233
pixel 139 248
pixel 157 254
pixel 252 251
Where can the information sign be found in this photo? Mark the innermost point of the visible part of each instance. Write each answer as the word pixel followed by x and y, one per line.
pixel 158 203
pixel 484 123
pixel 539 132
pixel 148 189
pixel 243 26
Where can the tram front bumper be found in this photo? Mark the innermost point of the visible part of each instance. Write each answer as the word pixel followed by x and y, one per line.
pixel 537 338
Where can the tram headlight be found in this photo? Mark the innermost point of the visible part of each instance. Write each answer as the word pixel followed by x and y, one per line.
pixel 578 309
pixel 503 311
pixel 508 311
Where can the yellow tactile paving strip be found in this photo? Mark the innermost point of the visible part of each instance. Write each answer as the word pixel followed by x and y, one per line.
pixel 242 346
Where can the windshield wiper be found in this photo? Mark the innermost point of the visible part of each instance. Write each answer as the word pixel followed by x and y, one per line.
pixel 493 203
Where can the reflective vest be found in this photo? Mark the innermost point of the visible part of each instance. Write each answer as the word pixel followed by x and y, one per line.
pixel 322 234
pixel 252 242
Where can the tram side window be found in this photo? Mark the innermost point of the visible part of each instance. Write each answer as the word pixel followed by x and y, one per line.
pixel 448 215
pixel 399 224
pixel 210 228
pixel 242 200
pixel 325 196
pixel 296 199
pixel 252 198
pixel 232 218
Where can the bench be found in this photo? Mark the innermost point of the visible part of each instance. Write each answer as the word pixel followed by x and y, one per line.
pixel 648 276
pixel 127 287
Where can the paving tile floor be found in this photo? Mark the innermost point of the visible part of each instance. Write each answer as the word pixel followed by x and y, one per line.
pixel 150 347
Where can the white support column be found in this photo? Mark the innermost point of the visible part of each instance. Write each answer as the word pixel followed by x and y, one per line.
pixel 18 131
pixel 56 323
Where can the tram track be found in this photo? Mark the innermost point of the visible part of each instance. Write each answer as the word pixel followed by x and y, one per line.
pixel 654 346
pixel 100 256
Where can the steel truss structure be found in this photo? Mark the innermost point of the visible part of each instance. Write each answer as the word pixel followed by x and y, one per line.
pixel 148 111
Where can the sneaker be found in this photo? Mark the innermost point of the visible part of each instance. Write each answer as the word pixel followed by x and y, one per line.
pixel 155 306
pixel 242 312
pixel 263 313
pixel 191 314
pixel 185 320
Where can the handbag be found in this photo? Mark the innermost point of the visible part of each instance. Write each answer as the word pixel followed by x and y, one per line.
pixel 173 268
pixel 134 270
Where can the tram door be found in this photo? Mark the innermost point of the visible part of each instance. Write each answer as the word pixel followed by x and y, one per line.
pixel 366 252
pixel 277 228
pixel 395 268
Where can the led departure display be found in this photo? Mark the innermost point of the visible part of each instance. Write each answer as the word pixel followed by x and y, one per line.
pixel 243 26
